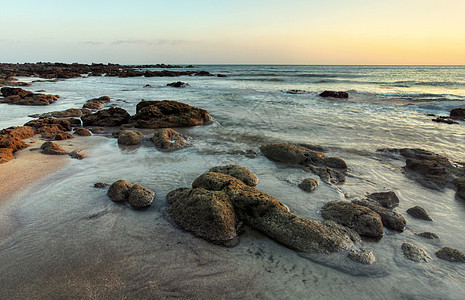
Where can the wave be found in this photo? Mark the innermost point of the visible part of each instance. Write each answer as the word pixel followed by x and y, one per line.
pixel 407 83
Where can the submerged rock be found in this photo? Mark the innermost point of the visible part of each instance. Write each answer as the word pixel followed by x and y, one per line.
pixel 333 94
pixel 428 235
pixel 52 149
pixel 100 185
pixel 451 254
pixel 385 199
pixel 6 155
pixel 308 184
pixel 359 218
pixel 164 114
pixel 444 119
pixel 130 137
pixel 391 219
pixel 364 256
pixel 296 92
pixel 178 84
pixel 114 116
pixel 140 197
pixel 239 172
pixel 168 139
pixel 415 253
pixel 419 212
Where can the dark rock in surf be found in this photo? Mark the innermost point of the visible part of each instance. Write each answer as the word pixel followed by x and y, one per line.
pixel 119 191
pixel 458 113
pixel 443 119
pixel 69 113
pixel 19 96
pixel 308 184
pixel 364 256
pixel 385 199
pixel 100 185
pixel 168 139
pixel 114 116
pixel 140 197
pixel 415 253
pixel 82 132
pixel 451 254
pixel 239 172
pixel 428 235
pixel 63 136
pixel 130 137
pixel 460 182
pixel 333 94
pixel 12 142
pixel 77 154
pixel 391 219
pixel 419 212
pixel 178 84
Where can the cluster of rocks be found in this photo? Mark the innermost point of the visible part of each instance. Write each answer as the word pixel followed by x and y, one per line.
pixel 11 140
pixel 51 148
pixel 22 97
pixel 454 115
pixel 136 195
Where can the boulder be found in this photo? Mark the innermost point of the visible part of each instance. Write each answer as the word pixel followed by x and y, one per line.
pixel 82 132
pixel 458 113
pixel 333 94
pixel 391 219
pixel 364 256
pixel 168 139
pixel 52 149
pixel 207 214
pixel 174 195
pixel 359 218
pixel 63 136
pixel 268 215
pixel 12 142
pixel 140 197
pixel 114 116
pixel 428 235
pixel 239 172
pixel 77 154
pixel 419 212
pixel 6 155
pixel 21 132
pixel 415 253
pixel 385 199
pixel 178 84
pixel 130 137
pixel 163 114
pixel 119 191
pixel 451 254
pixel 308 184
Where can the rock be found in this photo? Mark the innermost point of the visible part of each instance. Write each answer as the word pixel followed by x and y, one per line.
pixel 163 114
pixel 19 96
pixel 77 154
pixel 69 113
pixel 100 185
pixel 61 125
pixel 335 163
pixel 428 235
pixel 6 155
pixel 20 132
pixel 451 254
pixel 92 105
pixel 119 191
pixel 460 187
pixel 52 149
pixel 147 86
pixel 443 119
pixel 174 195
pixel 178 84
pixel 333 94
pixel 114 116
pixel 82 132
pixel 168 139
pixel 102 99
pixel 239 172
pixel 130 137
pixel 12 142
pixel 221 75
pixel 140 197
pixel 268 215
pixel 391 219
pixel 361 219
pixel 326 174
pixel 294 92
pixel 415 253
pixel 207 214
pixel 308 184
pixel 97 130
pixel 365 256
pixel 74 121
pixel 458 113
pixel 419 213
pixel 63 136
pixel 385 199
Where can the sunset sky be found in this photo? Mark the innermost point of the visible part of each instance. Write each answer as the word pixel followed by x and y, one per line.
pixel 234 32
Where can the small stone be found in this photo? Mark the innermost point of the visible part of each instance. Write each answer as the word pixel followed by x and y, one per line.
pixel 415 253
pixel 428 235
pixel 386 199
pixel 78 154
pixel 308 184
pixel 419 213
pixel 100 185
pixel 451 254
pixel 140 197
pixel 119 191
pixel 365 256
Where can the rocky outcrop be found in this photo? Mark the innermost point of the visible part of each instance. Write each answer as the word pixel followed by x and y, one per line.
pixel 49 127
pixel 333 94
pixel 415 253
pixel 385 199
pixel 330 169
pixel 308 184
pixel 266 214
pixel 168 139
pixel 6 155
pixel 114 116
pixel 164 114
pixel 69 113
pixel 239 172
pixel 364 256
pixel 361 219
pixel 391 219
pixel 21 132
pixel 82 132
pixel 451 254
pixel 458 113
pixel 130 137
pixel 52 149
pixel 178 84
pixel 12 142
pixel 419 212
pixel 137 196
pixel 19 96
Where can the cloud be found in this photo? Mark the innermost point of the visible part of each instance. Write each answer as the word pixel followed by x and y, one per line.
pixel 92 43
pixel 158 42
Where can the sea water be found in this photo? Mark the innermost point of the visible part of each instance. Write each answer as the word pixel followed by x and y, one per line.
pixel 71 241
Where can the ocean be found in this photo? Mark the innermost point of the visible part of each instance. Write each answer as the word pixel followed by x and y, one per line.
pixel 71 241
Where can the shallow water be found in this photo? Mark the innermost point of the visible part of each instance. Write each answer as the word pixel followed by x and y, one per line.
pixel 72 241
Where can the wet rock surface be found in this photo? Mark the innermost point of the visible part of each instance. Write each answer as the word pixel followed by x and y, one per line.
pixel 243 174
pixel 119 191
pixel 415 253
pixel 168 139
pixel 419 212
pixel 136 195
pixel 364 256
pixel 458 113
pixel 391 219
pixel 77 154
pixel 385 199
pixel 451 254
pixel 308 184
pixel 428 235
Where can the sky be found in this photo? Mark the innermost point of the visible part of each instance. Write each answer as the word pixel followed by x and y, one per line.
pixel 234 32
